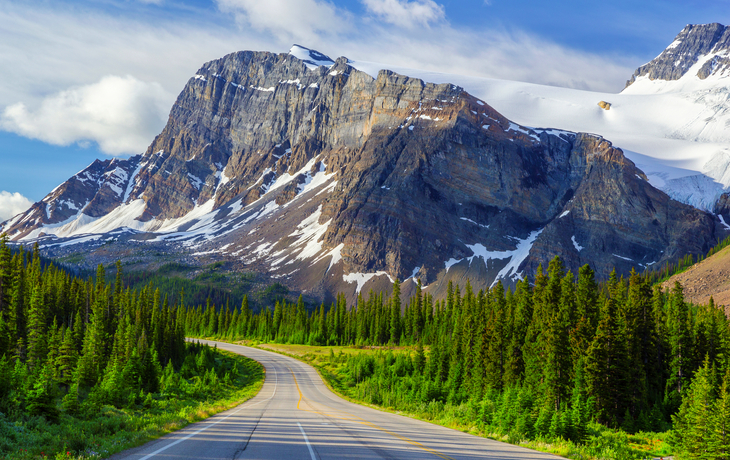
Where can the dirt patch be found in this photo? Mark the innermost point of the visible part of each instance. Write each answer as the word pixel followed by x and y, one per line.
pixel 709 278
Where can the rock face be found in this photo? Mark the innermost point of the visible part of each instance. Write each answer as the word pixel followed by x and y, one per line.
pixel 329 180
pixel 705 43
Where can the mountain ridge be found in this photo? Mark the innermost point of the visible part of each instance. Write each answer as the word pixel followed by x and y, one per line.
pixel 710 42
pixel 377 178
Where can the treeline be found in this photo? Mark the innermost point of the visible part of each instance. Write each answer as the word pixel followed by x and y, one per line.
pixel 670 269
pixel 72 345
pixel 211 283
pixel 559 348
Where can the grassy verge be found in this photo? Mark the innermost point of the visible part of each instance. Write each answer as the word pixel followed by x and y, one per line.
pixel 111 430
pixel 601 442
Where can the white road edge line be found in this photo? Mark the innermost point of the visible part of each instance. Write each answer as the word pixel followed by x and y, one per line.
pixel 309 446
pixel 162 449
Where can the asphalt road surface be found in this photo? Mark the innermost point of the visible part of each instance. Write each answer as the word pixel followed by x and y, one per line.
pixel 295 416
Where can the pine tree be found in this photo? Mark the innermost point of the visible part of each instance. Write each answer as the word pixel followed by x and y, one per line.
pixel 493 323
pixel 679 347
pixel 719 440
pixel 395 307
pixel 419 362
pixel 67 357
pixel 93 359
pixel 37 329
pixel 692 428
pixel 6 274
pixel 41 397
pixel 534 348
pixel 17 303
pixel 559 366
pixel 514 371
pixel 604 371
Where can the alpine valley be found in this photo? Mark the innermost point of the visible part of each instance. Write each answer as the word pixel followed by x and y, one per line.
pixel 339 176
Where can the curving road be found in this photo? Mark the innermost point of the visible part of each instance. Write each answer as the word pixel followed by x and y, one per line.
pixel 295 416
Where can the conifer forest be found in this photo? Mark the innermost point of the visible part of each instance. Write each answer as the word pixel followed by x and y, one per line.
pixel 544 360
pixel 88 367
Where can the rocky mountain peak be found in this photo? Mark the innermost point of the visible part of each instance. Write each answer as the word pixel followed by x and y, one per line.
pixel 328 180
pixel 702 49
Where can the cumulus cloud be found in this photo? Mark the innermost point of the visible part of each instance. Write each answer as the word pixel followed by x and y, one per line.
pixel 405 13
pixel 12 204
pixel 296 19
pixel 120 114
pixel 56 63
pixel 46 48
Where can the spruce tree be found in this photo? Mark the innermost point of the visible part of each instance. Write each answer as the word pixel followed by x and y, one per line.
pixel 719 439
pixel 395 307
pixel 692 424
pixel 37 328
pixel 679 347
pixel 604 370
pixel 67 357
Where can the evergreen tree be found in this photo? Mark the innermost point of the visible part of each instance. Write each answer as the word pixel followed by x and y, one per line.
pixel 692 424
pixel 37 328
pixel 604 370
pixel 679 347
pixel 395 312
pixel 67 357
pixel 719 440
pixel 41 397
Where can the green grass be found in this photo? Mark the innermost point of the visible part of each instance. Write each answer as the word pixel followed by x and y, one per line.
pixel 112 430
pixel 602 443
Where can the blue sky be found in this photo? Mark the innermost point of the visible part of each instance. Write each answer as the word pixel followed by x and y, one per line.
pixel 95 79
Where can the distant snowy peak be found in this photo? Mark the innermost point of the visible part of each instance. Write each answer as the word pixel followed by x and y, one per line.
pixel 311 57
pixel 91 193
pixel 705 44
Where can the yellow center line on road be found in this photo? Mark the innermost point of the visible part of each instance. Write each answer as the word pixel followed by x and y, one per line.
pixel 361 421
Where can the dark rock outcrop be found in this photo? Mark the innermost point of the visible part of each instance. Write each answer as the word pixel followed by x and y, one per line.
pixel 692 43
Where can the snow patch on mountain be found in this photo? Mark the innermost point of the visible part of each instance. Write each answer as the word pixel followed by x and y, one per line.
pixel 308 234
pixel 362 278
pixel 516 256
pixel 133 181
pixel 116 179
pixel 577 246
pixel 312 59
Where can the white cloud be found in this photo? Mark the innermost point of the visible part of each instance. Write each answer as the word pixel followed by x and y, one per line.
pixel 405 13
pixel 493 54
pixel 12 204
pixel 55 63
pixel 44 50
pixel 121 114
pixel 302 20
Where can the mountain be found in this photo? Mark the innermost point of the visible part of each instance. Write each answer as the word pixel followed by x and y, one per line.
pixel 699 50
pixel 333 179
pixel 673 130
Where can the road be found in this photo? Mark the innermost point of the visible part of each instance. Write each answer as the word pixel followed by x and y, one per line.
pixel 296 417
